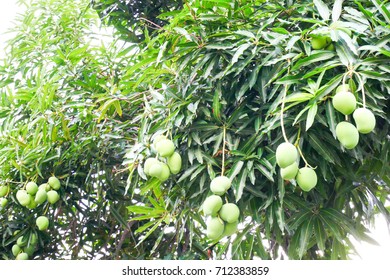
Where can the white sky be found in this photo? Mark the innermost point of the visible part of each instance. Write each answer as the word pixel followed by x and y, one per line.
pixel 367 251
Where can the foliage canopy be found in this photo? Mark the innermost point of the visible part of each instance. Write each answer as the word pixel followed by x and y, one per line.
pixel 213 79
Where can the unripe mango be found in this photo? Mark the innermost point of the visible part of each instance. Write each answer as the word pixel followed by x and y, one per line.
pixel 229 212
pixel 165 173
pixel 289 172
pixel 306 178
pixel 22 256
pixel 42 222
pixel 3 202
pixel 31 188
pixel 347 134
pixel 32 204
pixel 23 197
pixel 365 120
pixel 319 42
pixel 157 139
pixel 286 154
pixel 230 228
pixel 16 250
pixel 155 170
pixel 330 47
pixel 220 184
pixel 344 102
pixel 215 228
pixel 4 190
pixel 21 241
pixel 54 183
pixel 148 163
pixel 40 196
pixel 165 148
pixel 344 87
pixel 174 163
pixel 212 205
pixel 52 196
pixel 44 186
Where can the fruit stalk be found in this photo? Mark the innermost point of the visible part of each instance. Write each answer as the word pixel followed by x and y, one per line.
pixel 300 152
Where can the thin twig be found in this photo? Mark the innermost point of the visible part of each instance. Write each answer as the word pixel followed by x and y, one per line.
pixel 223 150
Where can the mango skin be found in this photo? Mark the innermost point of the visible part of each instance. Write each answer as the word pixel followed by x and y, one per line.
pixel 289 172
pixel 54 183
pixel 230 229
pixel 42 223
pixel 365 120
pixel 3 202
pixel 23 197
pixel 44 186
pixel 21 242
pixel 229 212
pixel 22 256
pixel 286 154
pixel 40 196
pixel 165 148
pixel 148 163
pixel 52 197
pixel 306 178
pixel 344 87
pixel 344 102
pixel 16 250
pixel 165 173
pixel 174 163
pixel 157 139
pixel 212 205
pixel 31 188
pixel 220 184
pixel 155 170
pixel 215 228
pixel 4 190
pixel 319 42
pixel 347 134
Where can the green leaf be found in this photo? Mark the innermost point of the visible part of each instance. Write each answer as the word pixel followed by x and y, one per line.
pixel 322 9
pixel 318 56
pixel 319 233
pixel 331 117
pixel 245 33
pixel 311 114
pixel 336 11
pixel 235 170
pixel 156 224
pixel 241 185
pixel 381 6
pixel 322 148
pixel 306 232
pixel 240 50
pixel 145 210
pixel 299 218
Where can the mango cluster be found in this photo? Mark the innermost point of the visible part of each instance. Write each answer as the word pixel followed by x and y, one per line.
pixel 223 218
pixel 4 190
pixel 344 101
pixel 34 195
pixel 25 247
pixel 167 162
pixel 30 197
pixel 287 160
